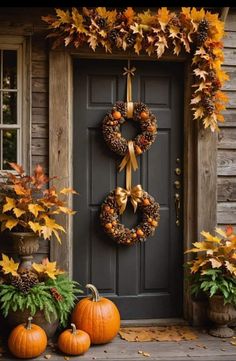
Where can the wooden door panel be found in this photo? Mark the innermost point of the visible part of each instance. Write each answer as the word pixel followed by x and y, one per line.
pixel 145 280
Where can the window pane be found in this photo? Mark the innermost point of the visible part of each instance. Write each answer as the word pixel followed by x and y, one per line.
pixel 9 69
pixel 9 108
pixel 9 147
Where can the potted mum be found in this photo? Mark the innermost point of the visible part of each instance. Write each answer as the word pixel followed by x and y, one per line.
pixel 44 292
pixel 27 209
pixel 213 273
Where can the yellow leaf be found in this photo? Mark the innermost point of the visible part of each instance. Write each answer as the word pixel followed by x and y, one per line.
pixel 35 226
pixel 138 44
pixel 177 47
pixel 64 16
pixel 197 15
pixel 35 209
pixel 10 223
pixel 197 263
pixel 174 30
pixel 92 40
pixel 186 12
pixel 146 18
pixel 78 21
pixel 210 238
pixel 163 16
pixel 230 267
pixel 50 268
pixel 20 190
pixel 67 210
pixel 46 232
pixel 221 232
pixel 8 265
pixel 10 203
pixel 18 212
pixel 198 113
pixel 57 235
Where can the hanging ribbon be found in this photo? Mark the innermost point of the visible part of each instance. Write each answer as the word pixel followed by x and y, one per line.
pixel 122 196
pixel 130 106
pixel 130 162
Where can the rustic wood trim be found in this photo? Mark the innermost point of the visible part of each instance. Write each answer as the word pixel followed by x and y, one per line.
pixel 27 105
pixel 190 182
pixel 60 145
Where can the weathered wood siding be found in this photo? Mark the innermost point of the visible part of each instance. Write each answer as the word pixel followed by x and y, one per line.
pixel 40 99
pixel 226 152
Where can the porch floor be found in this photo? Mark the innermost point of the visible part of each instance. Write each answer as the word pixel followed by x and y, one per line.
pixel 204 348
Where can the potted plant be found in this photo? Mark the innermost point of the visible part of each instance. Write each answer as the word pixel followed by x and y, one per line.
pixel 43 292
pixel 213 273
pixel 27 209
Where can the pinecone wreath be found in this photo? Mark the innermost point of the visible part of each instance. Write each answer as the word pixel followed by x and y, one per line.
pixel 111 128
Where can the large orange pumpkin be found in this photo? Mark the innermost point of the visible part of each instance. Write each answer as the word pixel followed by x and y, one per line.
pixel 27 340
pixel 73 342
pixel 98 316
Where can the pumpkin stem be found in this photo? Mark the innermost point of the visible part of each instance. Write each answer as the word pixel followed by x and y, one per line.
pixel 28 325
pixel 73 329
pixel 95 294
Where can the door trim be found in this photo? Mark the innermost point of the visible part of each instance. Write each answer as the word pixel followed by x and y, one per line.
pixel 200 178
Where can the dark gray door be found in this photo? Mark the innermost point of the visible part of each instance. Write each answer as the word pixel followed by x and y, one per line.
pixel 144 280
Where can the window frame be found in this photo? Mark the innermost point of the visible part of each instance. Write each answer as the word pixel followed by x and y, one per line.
pixel 23 47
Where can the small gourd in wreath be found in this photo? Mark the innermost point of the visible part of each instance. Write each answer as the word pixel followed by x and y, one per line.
pixel 115 204
pixel 121 111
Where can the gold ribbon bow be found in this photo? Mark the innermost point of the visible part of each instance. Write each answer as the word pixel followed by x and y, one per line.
pixel 122 196
pixel 130 162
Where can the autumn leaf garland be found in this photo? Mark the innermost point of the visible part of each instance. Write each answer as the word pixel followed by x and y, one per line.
pixel 198 32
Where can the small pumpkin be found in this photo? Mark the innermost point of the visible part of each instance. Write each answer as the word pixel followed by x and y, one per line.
pixel 27 340
pixel 98 316
pixel 73 341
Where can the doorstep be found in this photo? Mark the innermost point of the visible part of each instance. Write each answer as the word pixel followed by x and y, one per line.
pixel 154 322
pixel 204 348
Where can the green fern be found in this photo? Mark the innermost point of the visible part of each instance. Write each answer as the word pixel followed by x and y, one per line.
pixel 40 298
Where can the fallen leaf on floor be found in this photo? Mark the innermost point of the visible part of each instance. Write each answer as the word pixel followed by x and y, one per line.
pixel 146 354
pixel 48 356
pixel 66 358
pixel 233 343
pixel 201 345
pixel 223 349
pixel 140 352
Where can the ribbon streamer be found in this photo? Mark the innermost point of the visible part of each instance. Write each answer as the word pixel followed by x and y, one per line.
pixel 122 196
pixel 130 106
pixel 130 162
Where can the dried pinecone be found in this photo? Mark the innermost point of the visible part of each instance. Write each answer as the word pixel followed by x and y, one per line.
pixel 121 107
pixel 130 40
pixel 101 22
pixel 208 105
pixel 175 21
pixel 25 281
pixel 202 31
pixel 113 35
pixel 87 20
pixel 140 107
pixel 211 76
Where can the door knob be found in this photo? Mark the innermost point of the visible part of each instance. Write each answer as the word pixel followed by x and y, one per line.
pixel 177 184
pixel 177 171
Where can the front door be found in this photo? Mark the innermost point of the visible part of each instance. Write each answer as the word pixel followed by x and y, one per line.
pixel 144 280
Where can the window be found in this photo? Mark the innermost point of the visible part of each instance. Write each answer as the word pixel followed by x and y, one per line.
pixel 10 104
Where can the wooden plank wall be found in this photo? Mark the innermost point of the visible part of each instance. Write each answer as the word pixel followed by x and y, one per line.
pixel 226 152
pixel 40 101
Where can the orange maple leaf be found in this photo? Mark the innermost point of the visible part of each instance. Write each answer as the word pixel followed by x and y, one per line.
pixel 129 15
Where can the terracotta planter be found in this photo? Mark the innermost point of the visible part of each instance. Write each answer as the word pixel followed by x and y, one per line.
pixel 221 315
pixel 25 244
pixel 15 318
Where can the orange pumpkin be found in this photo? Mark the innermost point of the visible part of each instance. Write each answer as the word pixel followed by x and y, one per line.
pixel 27 340
pixel 73 342
pixel 98 316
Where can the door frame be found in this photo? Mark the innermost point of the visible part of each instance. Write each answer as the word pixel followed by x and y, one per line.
pixel 200 153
